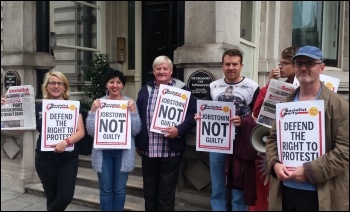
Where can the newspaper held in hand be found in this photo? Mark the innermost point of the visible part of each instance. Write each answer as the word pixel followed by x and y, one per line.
pixel 276 93
pixel 18 113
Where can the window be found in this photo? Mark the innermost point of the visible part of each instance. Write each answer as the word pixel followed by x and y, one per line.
pixel 77 26
pixel 249 29
pixel 247 24
pixel 316 23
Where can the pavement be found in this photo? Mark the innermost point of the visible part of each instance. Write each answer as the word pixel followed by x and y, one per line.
pixel 15 201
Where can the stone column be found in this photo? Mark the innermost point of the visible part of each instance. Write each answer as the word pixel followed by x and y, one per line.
pixel 211 27
pixel 275 35
pixel 19 55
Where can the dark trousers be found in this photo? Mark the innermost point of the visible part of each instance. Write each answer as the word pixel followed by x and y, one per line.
pixel 159 182
pixel 58 175
pixel 299 200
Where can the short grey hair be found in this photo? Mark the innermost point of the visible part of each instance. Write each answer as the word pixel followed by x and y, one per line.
pixel 160 60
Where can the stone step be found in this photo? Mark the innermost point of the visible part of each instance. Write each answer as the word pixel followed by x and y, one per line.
pixel 88 177
pixel 90 197
pixel 85 161
pixel 187 199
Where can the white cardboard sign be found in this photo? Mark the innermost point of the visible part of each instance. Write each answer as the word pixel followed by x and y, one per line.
pixel 112 125
pixel 215 132
pixel 300 132
pixel 170 109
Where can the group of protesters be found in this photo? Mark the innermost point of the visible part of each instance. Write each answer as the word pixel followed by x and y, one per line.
pixel 318 184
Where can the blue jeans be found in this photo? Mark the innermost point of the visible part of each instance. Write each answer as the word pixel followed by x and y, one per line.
pixel 217 163
pixel 238 200
pixel 217 173
pixel 112 182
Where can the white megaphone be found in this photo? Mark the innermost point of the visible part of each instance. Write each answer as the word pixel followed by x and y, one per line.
pixel 258 138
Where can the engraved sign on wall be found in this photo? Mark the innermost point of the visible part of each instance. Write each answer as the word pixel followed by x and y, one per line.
pixel 199 82
pixel 11 78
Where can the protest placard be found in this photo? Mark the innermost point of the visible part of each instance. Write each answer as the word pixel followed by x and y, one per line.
pixel 300 132
pixel 112 125
pixel 330 82
pixel 276 93
pixel 19 111
pixel 170 109
pixel 59 121
pixel 215 132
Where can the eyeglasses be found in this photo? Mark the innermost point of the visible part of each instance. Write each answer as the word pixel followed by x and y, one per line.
pixel 282 64
pixel 308 64
pixel 55 83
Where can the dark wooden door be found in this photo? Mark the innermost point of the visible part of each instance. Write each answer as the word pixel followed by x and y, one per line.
pixel 162 33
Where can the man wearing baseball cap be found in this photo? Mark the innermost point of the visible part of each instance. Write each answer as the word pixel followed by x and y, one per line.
pixel 320 184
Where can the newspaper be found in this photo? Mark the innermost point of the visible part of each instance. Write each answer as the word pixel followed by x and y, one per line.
pixel 18 113
pixel 276 93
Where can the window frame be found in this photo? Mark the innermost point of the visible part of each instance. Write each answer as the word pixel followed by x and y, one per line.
pixel 332 56
pixel 100 33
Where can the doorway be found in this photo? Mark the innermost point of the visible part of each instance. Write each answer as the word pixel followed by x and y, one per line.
pixel 162 33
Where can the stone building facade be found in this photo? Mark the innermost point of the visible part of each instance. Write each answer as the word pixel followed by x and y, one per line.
pixel 201 32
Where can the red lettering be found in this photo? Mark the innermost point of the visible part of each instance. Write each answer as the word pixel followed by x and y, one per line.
pixel 16 90
pixel 287 89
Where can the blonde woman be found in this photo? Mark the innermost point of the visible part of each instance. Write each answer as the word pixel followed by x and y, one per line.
pixel 57 169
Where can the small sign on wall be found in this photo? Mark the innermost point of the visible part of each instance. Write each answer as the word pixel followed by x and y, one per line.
pixel 11 78
pixel 121 50
pixel 199 82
